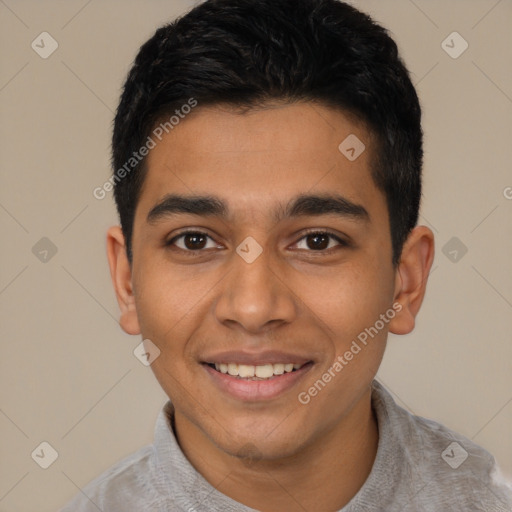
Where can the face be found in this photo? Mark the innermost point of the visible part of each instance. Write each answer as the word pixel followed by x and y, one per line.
pixel 258 248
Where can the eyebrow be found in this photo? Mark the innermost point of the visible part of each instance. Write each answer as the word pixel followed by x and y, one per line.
pixel 302 205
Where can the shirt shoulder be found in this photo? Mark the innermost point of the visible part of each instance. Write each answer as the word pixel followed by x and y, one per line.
pixel 120 484
pixel 436 468
pixel 456 471
pixel 156 478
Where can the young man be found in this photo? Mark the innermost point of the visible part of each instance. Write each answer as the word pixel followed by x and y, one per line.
pixel 267 168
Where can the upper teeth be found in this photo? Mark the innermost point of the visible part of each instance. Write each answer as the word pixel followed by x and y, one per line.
pixel 263 371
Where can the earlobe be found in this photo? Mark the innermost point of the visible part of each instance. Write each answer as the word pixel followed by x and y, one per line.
pixel 121 274
pixel 411 278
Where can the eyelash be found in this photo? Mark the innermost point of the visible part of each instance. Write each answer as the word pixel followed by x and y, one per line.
pixel 192 253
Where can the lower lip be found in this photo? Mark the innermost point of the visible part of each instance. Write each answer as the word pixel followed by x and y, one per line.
pixel 255 390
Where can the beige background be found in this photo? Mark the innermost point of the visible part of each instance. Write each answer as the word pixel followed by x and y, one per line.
pixel 68 374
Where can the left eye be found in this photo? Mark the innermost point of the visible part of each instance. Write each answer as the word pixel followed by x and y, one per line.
pixel 320 241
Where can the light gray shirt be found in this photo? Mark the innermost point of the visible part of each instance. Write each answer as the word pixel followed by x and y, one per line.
pixel 420 466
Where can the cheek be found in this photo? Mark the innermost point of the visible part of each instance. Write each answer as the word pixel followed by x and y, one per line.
pixel 347 299
pixel 169 307
pixel 168 297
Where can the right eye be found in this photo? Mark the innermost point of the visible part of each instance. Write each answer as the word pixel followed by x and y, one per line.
pixel 191 242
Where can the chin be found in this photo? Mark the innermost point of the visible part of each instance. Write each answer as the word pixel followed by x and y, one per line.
pixel 259 445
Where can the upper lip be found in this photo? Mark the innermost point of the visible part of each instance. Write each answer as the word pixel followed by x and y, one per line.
pixel 255 358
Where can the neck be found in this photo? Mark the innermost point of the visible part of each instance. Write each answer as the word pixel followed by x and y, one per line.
pixel 323 476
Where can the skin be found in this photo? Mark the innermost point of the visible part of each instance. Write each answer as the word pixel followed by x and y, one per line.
pixel 275 454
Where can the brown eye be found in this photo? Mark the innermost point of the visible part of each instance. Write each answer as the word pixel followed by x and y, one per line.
pixel 319 241
pixel 191 241
pixel 194 241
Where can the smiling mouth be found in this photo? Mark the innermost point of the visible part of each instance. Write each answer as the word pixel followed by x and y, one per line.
pixel 256 372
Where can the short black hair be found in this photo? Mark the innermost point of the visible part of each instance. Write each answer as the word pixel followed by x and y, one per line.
pixel 249 53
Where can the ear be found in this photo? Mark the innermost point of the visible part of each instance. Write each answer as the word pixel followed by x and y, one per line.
pixel 121 274
pixel 411 278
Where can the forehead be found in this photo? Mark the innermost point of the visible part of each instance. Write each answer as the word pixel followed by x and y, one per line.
pixel 262 156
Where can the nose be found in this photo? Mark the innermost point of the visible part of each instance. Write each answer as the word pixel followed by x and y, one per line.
pixel 255 296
